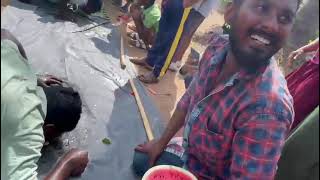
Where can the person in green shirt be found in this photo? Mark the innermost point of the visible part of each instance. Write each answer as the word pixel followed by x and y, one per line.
pixel 146 15
pixel 31 114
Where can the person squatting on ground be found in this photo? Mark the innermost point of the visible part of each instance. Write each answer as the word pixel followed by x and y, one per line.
pixel 31 115
pixel 146 15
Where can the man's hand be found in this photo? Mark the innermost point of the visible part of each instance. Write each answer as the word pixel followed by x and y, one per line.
pixel 49 80
pixel 293 56
pixel 153 148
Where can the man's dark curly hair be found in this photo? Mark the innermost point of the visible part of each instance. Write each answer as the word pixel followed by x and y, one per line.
pixel 63 107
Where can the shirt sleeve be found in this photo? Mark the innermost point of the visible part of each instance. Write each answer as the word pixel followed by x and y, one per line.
pixel 258 141
pixel 22 117
pixel 24 137
pixel 151 17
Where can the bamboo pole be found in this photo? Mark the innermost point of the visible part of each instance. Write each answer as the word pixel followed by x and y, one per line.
pixel 142 112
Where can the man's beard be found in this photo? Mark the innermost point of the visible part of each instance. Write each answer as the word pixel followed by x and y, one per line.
pixel 247 60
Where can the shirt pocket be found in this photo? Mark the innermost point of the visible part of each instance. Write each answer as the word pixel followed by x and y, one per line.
pixel 207 145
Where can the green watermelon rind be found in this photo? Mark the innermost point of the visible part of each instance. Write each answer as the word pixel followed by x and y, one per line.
pixel 161 167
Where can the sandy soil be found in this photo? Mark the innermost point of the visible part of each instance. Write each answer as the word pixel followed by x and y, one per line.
pixel 170 83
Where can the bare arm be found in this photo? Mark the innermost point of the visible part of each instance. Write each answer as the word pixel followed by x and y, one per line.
pixel 142 31
pixel 72 164
pixel 155 147
pixel 60 172
pixel 175 124
pixel 313 46
pixel 136 13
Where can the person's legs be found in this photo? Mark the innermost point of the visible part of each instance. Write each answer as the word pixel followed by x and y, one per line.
pixel 164 36
pixel 191 25
pixel 136 14
pixel 172 11
pixel 145 34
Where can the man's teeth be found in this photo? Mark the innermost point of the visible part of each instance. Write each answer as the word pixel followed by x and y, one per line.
pixel 261 39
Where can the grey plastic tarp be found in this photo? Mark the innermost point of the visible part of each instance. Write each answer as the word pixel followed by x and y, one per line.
pixel 89 61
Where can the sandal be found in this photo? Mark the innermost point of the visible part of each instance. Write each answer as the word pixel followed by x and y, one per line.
pixel 138 44
pixel 148 78
pixel 141 62
pixel 132 27
pixel 133 35
pixel 175 66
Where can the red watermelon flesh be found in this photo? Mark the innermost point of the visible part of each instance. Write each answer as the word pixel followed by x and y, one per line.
pixel 168 173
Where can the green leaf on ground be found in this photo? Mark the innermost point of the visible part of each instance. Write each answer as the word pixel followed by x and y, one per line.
pixel 106 141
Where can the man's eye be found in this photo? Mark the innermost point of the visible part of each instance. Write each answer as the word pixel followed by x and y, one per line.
pixel 285 19
pixel 262 9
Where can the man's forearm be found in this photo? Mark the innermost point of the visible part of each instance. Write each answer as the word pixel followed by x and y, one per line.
pixel 175 124
pixel 314 45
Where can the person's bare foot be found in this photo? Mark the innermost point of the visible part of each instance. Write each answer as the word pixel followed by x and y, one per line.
pixel 138 44
pixel 141 62
pixel 148 78
pixel 132 27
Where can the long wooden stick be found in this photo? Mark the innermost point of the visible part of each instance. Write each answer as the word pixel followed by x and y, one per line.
pixel 122 64
pixel 142 112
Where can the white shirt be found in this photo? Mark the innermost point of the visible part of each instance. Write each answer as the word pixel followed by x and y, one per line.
pixel 204 7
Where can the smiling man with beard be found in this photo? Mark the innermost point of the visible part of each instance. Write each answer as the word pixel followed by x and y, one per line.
pixel 237 111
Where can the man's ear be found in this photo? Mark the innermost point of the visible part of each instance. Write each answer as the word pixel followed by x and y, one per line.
pixel 49 130
pixel 229 12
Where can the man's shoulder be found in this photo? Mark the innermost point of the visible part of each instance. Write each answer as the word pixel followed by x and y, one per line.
pixel 271 78
pixel 6 35
pixel 270 88
pixel 18 81
pixel 216 47
pixel 13 65
pixel 153 11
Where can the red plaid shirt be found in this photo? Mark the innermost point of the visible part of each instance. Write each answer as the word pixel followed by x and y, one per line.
pixel 235 131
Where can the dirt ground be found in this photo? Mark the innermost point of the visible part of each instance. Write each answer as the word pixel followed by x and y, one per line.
pixel 170 83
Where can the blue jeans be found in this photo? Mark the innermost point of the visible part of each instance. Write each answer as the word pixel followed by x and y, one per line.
pixel 141 161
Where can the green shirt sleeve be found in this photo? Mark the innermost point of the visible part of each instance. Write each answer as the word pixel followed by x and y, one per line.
pixel 151 17
pixel 22 116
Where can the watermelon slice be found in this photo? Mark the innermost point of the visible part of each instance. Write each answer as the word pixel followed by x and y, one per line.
pixel 166 172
